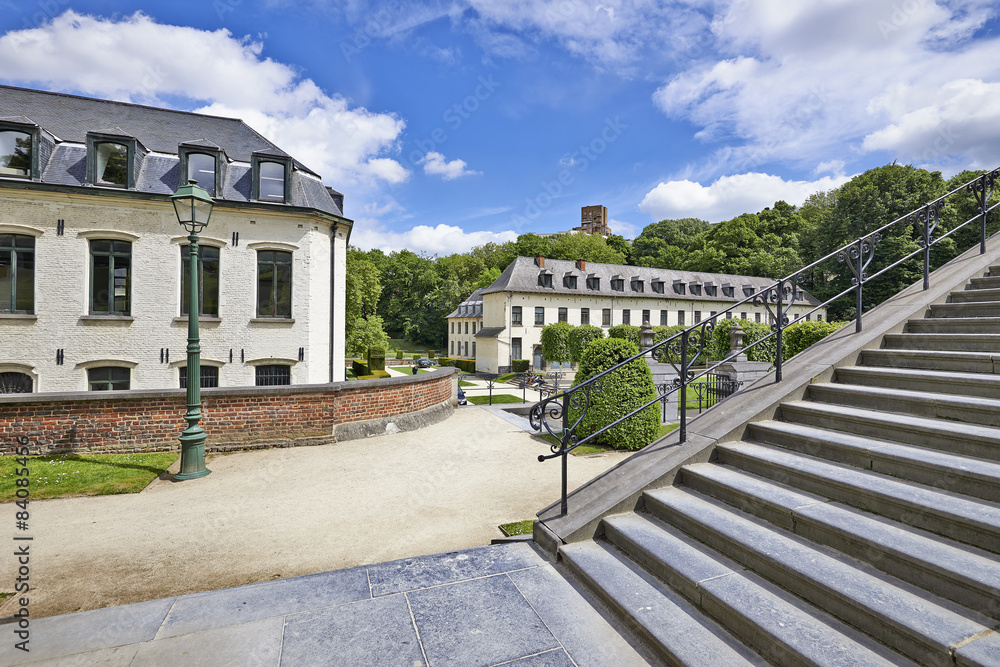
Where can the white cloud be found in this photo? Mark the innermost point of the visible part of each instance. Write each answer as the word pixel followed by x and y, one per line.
pixel 729 196
pixel 800 81
pixel 139 60
pixel 624 229
pixel 435 164
pixel 440 240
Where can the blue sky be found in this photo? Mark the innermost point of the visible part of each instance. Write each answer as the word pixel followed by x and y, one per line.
pixel 451 123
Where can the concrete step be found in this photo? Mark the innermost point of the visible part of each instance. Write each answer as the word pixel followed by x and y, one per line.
pixel 944 382
pixel 994 270
pixel 976 477
pixel 969 409
pixel 970 440
pixel 965 362
pixel 958 517
pixel 975 309
pixel 778 625
pixel 954 325
pixel 985 282
pixel 672 626
pixel 953 342
pixel 975 295
pixel 921 627
pixel 956 572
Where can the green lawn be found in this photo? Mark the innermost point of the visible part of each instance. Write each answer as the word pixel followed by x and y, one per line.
pixel 517 527
pixel 497 398
pixel 83 475
pixel 463 383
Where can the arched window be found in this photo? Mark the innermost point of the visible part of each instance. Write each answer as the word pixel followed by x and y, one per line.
pixel 201 168
pixel 15 383
pixel 15 153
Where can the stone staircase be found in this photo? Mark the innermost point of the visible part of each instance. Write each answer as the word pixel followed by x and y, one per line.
pixel 859 526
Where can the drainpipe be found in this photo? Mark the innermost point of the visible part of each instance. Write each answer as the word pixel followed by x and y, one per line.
pixel 333 292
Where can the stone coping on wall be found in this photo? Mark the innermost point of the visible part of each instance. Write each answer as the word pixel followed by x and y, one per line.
pixel 208 392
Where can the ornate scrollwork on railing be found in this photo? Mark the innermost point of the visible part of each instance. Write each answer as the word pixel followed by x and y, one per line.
pixel 674 350
pixel 548 415
pixel 779 298
pixel 861 252
pixel 926 221
pixel 982 188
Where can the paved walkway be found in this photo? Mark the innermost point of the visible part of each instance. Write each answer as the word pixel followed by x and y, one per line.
pixel 274 514
pixel 490 605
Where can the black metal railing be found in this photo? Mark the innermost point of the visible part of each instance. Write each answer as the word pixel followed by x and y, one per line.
pixel 562 413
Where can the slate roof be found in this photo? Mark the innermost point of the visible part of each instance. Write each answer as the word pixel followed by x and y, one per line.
pixel 66 120
pixel 471 307
pixel 489 332
pixel 522 275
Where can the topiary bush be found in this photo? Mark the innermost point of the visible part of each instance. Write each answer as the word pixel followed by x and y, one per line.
pixel 375 375
pixel 399 354
pixel 752 332
pixel 431 353
pixel 802 334
pixel 376 358
pixel 359 367
pixel 555 341
pixel 579 338
pixel 520 365
pixel 626 331
pixel 622 391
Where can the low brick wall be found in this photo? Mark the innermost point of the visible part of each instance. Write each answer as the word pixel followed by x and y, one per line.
pixel 233 417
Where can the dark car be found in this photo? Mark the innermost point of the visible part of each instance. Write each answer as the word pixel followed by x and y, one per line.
pixel 424 362
pixel 461 397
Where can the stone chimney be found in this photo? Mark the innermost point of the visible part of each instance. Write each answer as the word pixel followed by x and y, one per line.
pixel 540 261
pixel 581 264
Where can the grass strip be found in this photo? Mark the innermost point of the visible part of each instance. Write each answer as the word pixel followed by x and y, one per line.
pixel 497 398
pixel 517 527
pixel 62 475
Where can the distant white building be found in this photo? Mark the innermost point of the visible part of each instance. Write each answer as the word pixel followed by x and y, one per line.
pixel 92 279
pixel 507 317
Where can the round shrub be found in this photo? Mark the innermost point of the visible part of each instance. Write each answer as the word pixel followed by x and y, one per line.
pixel 622 391
pixel 580 337
pixel 802 334
pixel 555 341
pixel 626 331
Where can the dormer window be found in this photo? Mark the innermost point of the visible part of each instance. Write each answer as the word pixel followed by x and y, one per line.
pixel 657 286
pixel 617 284
pixel 15 153
pixel 728 290
pixel 201 168
pixel 748 290
pixel 593 282
pixel 545 278
pixel 679 287
pixel 637 285
pixel 569 281
pixel 711 289
pixel 111 160
pixel 695 289
pixel 271 177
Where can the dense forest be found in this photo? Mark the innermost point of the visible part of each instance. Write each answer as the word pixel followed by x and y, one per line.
pixel 408 295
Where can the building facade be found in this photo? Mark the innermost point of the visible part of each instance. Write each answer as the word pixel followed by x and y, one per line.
pixel 533 292
pixel 464 324
pixel 594 220
pixel 93 278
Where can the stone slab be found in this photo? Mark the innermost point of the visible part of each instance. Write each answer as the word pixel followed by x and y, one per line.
pixel 373 632
pixel 555 658
pixel 242 604
pixel 256 644
pixel 479 622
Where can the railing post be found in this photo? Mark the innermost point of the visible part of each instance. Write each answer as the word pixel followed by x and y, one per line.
pixel 684 379
pixel 781 328
pixel 860 273
pixel 565 455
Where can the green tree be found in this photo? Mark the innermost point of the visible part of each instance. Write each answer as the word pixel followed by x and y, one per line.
pixel 619 244
pixel 589 247
pixel 362 289
pixel 366 333
pixel 621 392
pixel 580 338
pixel 665 244
pixel 555 341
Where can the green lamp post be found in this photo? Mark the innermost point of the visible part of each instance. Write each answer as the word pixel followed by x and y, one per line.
pixel 193 206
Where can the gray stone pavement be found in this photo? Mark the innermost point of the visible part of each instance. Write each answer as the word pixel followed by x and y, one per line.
pixel 491 605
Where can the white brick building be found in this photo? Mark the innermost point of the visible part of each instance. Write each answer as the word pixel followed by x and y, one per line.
pixel 508 316
pixel 91 253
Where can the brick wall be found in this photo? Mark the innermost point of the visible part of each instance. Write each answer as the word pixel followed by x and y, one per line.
pixel 235 417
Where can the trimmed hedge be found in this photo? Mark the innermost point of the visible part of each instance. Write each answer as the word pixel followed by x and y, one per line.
pixel 621 392
pixel 802 334
pixel 359 367
pixel 580 338
pixel 520 365
pixel 555 341
pixel 627 331
pixel 375 375
pixel 467 365
pixel 431 353
pixel 376 358
pixel 399 354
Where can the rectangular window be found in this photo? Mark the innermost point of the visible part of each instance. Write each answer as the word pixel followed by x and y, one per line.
pixel 711 314
pixel 626 316
pixel 466 328
pixel 539 315
pixel 679 287
pixel 208 280
pixel 473 327
pixel 645 317
pixel 17 273
pixel 729 315
pixel 658 286
pixel 15 153
pixel 819 317
pixel 618 285
pixel 473 349
pixel 756 317
pixel 452 348
pixel 563 315
pixel 593 283
pixel 545 279
pixel 606 317
pixel 274 283
pixel 453 327
pixel 569 282
pixel 272 181
pixel 663 318
pixel 112 165
pixel 697 316
pixel 108 378
pixel 110 277
pixel 466 348
pixel 515 348
pixel 680 317
pixel 515 316
pixel 584 316
pixel 209 376
pixel 273 375
pixel 637 286
pixel 743 316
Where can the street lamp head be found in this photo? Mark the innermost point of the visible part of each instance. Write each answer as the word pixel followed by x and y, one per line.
pixel 193 206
